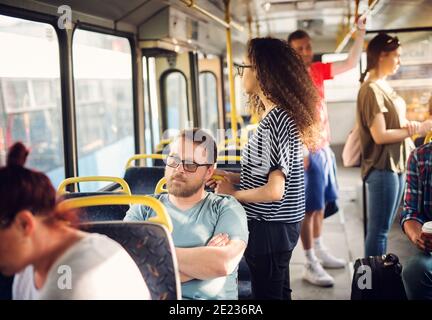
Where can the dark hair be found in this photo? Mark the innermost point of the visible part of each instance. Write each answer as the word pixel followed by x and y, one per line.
pixel 200 136
pixel 23 189
pixel 285 81
pixel 298 34
pixel 380 43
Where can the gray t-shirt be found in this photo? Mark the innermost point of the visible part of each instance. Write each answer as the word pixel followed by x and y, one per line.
pixel 194 228
pixel 96 267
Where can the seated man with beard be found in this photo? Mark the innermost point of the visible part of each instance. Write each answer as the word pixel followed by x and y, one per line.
pixel 210 231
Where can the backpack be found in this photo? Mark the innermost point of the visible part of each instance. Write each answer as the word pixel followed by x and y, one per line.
pixel 351 154
pixel 378 278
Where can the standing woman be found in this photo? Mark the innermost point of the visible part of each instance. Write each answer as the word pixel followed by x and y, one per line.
pixel 272 173
pixel 385 140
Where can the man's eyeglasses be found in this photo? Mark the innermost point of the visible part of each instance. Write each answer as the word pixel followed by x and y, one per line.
pixel 240 68
pixel 174 162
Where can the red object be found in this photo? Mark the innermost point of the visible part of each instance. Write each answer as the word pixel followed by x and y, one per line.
pixel 319 72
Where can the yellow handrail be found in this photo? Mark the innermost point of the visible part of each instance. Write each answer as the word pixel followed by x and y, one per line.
pixel 160 187
pixel 125 187
pixel 347 37
pixel 162 143
pixel 162 216
pixel 162 182
pixel 230 64
pixel 144 156
pixel 428 138
pixel 229 158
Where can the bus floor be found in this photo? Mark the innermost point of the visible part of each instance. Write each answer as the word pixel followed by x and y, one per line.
pixel 343 235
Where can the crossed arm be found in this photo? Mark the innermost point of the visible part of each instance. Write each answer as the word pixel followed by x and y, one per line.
pixel 209 262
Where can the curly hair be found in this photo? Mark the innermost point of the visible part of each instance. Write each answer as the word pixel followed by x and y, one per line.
pixel 285 81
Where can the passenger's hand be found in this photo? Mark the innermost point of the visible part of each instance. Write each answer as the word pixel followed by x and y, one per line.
pixel 425 127
pixel 212 182
pixel 424 242
pixel 361 23
pixel 413 127
pixel 219 240
pixel 224 187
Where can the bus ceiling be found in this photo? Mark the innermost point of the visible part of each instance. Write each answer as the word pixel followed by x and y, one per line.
pixel 201 22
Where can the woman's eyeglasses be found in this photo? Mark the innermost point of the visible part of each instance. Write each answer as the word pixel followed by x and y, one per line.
pixel 240 68
pixel 174 162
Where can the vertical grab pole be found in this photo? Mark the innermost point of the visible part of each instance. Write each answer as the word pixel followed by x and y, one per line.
pixel 230 70
pixel 365 217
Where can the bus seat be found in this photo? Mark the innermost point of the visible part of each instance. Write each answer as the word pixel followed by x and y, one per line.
pixel 151 247
pixel 143 180
pixel 98 213
pixel 161 162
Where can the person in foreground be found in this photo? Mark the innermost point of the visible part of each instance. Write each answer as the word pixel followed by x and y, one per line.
pixel 51 259
pixel 272 174
pixel 210 231
pixel 417 213
pixel 385 138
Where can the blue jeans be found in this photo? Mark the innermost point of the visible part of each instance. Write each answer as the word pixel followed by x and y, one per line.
pixel 417 276
pixel 320 180
pixel 384 191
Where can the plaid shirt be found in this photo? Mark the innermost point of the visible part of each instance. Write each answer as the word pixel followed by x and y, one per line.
pixel 418 193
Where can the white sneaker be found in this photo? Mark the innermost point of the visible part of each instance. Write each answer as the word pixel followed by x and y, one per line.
pixel 329 261
pixel 315 274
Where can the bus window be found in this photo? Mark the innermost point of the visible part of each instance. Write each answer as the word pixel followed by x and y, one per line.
pixel 175 104
pixel 413 81
pixel 104 107
pixel 209 101
pixel 30 101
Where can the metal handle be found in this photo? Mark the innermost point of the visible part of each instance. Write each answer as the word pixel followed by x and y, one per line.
pixel 125 187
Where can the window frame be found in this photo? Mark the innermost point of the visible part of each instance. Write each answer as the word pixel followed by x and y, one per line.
pixel 217 96
pixel 68 112
pixel 163 97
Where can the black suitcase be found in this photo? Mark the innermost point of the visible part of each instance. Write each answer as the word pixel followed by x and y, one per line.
pixel 378 278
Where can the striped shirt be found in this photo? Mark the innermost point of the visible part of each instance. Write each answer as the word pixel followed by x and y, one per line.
pixel 275 145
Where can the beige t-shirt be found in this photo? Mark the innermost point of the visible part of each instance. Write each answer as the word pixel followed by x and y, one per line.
pixel 371 100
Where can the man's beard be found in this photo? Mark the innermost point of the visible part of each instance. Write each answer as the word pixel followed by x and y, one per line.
pixel 185 190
